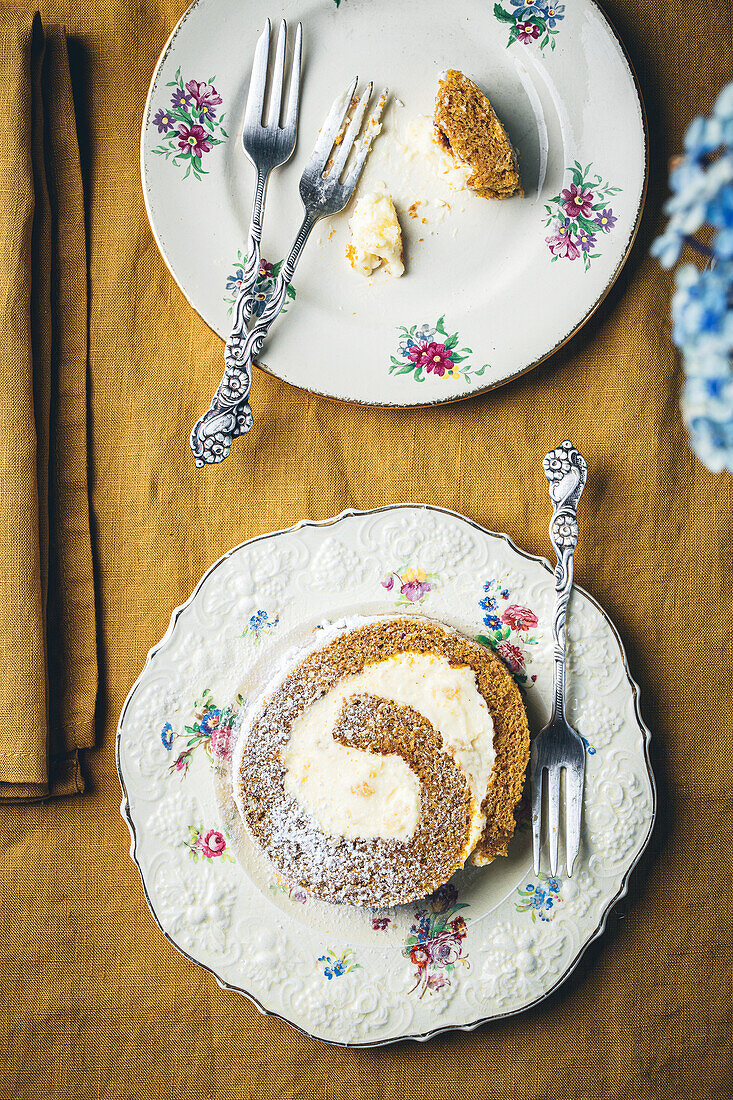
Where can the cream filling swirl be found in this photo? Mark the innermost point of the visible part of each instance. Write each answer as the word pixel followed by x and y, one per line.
pixel 357 794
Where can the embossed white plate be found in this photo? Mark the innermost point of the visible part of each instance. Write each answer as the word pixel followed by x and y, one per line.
pixel 493 288
pixel 498 938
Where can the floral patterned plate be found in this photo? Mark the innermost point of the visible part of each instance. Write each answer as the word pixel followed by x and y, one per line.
pixel 496 939
pixel 491 289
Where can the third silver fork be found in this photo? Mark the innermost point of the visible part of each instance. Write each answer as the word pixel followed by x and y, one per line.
pixel 558 747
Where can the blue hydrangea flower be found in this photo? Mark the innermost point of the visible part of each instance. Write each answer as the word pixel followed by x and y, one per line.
pixel 720 209
pixel 713 442
pixel 720 214
pixel 724 244
pixel 667 247
pixel 715 391
pixel 703 137
pixel 702 309
pixel 697 182
pixel 702 305
pixel 702 315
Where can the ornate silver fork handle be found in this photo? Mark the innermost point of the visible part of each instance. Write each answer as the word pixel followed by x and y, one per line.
pixel 244 304
pixel 566 471
pixel 229 414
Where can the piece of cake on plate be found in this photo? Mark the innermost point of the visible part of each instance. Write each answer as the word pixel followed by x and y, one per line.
pixel 466 126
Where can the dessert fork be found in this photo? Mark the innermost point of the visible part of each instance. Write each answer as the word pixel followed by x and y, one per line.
pixel 558 746
pixel 323 194
pixel 267 146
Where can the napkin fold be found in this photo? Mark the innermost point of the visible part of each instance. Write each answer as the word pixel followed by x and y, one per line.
pixel 48 660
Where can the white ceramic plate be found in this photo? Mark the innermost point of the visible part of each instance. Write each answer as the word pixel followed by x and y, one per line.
pixel 497 285
pixel 498 939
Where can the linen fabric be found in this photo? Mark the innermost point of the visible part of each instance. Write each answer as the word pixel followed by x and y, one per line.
pixel 47 622
pixel 95 1002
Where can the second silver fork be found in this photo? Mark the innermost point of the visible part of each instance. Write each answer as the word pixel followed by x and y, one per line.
pixel 322 194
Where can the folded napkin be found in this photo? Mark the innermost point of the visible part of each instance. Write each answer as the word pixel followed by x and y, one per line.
pixel 48 656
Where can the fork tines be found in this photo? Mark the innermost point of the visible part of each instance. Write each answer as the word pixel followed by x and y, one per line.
pixel 546 769
pixel 371 130
pixel 254 111
pixel 330 156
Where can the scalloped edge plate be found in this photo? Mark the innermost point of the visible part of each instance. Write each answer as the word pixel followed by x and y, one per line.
pixel 136 810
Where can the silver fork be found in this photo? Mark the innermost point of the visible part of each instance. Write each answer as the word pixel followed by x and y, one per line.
pixel 323 193
pixel 267 145
pixel 558 747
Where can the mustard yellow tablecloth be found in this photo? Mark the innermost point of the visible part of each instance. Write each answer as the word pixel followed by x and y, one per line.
pixel 95 1003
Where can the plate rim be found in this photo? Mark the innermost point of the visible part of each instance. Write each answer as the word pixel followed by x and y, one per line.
pixel 623 887
pixel 613 279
